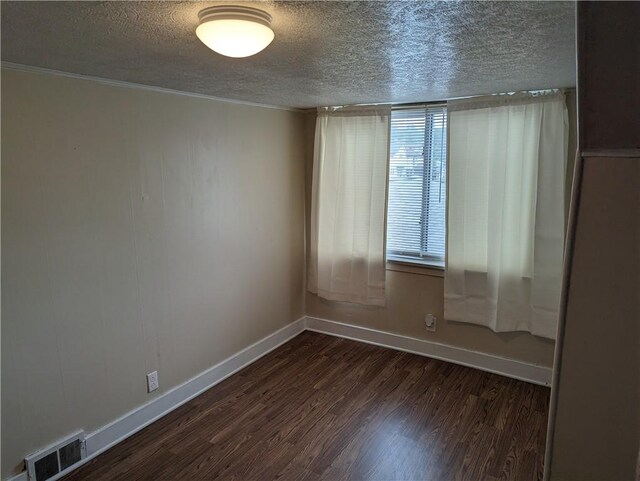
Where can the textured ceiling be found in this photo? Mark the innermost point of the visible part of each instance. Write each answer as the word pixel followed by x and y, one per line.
pixel 324 53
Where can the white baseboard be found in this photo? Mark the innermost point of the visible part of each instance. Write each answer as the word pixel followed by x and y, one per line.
pixel 479 360
pixel 139 418
pixel 132 422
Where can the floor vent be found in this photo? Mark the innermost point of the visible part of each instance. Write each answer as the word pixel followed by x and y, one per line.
pixel 48 463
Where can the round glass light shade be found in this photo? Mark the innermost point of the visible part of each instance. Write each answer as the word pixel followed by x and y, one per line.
pixel 235 31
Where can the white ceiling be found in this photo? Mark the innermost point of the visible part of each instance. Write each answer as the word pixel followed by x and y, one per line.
pixel 324 52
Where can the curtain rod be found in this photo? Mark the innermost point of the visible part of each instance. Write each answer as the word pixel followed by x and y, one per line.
pixel 419 105
pixel 437 103
pixel 434 103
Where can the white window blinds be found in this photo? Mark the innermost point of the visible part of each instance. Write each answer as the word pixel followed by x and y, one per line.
pixel 416 217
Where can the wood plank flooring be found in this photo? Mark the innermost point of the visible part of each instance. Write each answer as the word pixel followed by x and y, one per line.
pixel 325 408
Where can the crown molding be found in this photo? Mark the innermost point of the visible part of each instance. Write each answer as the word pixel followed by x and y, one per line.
pixel 121 83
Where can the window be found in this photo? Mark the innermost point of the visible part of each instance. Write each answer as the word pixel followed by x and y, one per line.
pixel 416 220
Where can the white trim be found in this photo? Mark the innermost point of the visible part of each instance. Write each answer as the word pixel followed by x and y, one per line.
pixel 411 268
pixel 113 433
pixel 19 477
pixel 121 83
pixel 611 153
pixel 567 267
pixel 417 262
pixel 523 371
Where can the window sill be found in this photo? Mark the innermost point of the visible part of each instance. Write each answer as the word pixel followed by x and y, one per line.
pixel 423 268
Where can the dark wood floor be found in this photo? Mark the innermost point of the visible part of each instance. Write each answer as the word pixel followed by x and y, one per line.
pixel 324 408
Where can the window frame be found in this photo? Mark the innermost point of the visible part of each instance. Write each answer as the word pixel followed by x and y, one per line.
pixel 398 260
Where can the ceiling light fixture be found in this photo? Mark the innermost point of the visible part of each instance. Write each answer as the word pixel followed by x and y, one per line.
pixel 235 31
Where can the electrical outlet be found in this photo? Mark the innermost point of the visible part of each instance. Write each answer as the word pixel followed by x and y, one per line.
pixel 430 322
pixel 152 381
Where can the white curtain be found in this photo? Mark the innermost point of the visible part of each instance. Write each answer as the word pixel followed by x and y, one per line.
pixel 347 253
pixel 506 211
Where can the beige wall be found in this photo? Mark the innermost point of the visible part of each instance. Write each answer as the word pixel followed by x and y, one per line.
pixel 411 296
pixel 149 231
pixel 141 231
pixel 414 292
pixel 596 391
pixel 597 426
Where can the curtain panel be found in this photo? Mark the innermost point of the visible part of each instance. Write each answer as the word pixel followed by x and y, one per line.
pixel 348 205
pixel 507 158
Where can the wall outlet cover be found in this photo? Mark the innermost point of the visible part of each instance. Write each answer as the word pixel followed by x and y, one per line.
pixel 152 381
pixel 430 322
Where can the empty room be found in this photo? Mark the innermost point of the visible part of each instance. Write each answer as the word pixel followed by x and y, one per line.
pixel 320 240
